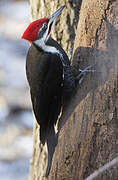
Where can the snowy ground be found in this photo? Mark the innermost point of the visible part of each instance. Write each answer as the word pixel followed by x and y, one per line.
pixel 16 119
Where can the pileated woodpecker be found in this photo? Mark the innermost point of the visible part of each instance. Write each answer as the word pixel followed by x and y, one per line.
pixel 48 72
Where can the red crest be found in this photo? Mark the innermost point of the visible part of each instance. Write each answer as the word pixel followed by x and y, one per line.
pixel 32 30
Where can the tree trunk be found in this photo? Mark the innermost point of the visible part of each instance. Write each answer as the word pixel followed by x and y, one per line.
pixel 88 128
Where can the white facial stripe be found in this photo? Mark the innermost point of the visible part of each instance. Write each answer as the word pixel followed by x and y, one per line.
pixel 46 48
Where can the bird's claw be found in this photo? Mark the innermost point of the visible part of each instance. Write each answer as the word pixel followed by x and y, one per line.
pixel 83 72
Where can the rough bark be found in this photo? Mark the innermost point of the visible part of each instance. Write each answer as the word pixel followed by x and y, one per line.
pixel 88 128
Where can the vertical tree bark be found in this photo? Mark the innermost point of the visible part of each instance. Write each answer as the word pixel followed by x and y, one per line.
pixel 87 130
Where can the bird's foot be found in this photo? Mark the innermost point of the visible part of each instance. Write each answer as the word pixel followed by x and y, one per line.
pixel 83 72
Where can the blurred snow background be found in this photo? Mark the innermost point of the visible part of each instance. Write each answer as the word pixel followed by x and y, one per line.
pixel 16 119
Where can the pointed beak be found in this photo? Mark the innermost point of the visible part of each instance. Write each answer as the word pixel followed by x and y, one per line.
pixel 56 14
